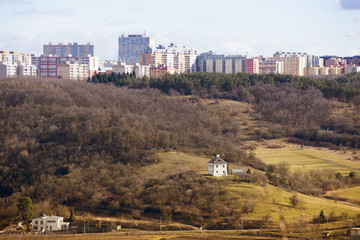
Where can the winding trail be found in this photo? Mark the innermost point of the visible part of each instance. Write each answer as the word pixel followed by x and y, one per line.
pixel 340 165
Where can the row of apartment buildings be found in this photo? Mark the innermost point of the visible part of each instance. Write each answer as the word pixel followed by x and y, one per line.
pixel 175 58
pixel 71 61
pixel 138 54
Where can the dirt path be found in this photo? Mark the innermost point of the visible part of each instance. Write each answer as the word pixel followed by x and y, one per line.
pixel 340 165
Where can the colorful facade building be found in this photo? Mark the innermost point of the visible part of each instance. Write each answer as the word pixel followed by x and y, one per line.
pixel 161 70
pixel 16 64
pixel 47 64
pixel 267 67
pixel 252 65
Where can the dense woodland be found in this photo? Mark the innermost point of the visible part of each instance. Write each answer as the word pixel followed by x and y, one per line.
pixel 301 105
pixel 80 144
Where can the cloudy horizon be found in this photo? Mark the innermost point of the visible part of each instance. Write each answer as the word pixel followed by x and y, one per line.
pixel 258 27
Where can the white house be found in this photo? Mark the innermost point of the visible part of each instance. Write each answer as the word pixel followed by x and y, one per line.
pixel 217 167
pixel 49 223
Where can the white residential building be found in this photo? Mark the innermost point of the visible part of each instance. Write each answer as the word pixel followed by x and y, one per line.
pixel 7 70
pixel 217 167
pixel 26 70
pixel 136 68
pixel 49 223
pixel 72 71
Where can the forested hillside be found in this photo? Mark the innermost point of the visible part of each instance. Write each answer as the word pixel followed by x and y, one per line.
pixel 302 107
pixel 79 144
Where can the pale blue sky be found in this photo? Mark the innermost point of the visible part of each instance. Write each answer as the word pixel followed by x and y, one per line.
pixel 320 27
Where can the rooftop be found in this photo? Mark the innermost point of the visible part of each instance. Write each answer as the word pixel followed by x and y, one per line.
pixel 217 160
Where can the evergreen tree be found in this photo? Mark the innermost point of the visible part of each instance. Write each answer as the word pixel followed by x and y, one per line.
pixel 26 210
pixel 72 216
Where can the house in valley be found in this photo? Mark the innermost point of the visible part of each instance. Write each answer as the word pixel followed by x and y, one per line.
pixel 217 167
pixel 49 224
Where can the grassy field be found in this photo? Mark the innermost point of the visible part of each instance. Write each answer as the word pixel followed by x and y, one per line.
pixel 274 201
pixel 173 161
pixel 308 158
pixel 269 200
pixel 352 194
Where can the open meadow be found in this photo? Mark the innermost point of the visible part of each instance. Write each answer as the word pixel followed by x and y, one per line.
pixel 308 158
pixel 270 200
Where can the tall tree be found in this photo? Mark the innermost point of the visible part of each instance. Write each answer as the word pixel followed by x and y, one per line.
pixel 26 210
pixel 72 216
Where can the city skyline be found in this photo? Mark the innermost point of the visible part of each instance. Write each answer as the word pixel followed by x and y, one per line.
pixel 259 27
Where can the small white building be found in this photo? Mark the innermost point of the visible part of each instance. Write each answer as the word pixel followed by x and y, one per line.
pixel 355 232
pixel 217 167
pixel 49 223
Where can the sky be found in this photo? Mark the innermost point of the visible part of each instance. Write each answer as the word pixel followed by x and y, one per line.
pixel 252 27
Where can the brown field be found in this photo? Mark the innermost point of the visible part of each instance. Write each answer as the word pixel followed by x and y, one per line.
pixel 216 235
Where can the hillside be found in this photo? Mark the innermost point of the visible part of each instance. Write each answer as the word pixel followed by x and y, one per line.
pixel 58 135
pixel 140 153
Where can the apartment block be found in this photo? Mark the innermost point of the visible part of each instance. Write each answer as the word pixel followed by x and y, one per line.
pixel 267 67
pixel 181 58
pixel 139 70
pixel 72 71
pixel 211 62
pixel 293 64
pixel 73 49
pixel 252 65
pixel 26 70
pixel 47 64
pixel 132 46
pixel 335 62
pixel 16 64
pixel 161 70
pixel 8 70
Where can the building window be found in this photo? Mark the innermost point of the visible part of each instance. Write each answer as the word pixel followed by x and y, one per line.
pixel 217 166
pixel 223 166
pixel 36 222
pixel 216 171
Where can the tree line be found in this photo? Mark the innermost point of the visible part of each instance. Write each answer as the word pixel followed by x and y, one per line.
pixel 343 88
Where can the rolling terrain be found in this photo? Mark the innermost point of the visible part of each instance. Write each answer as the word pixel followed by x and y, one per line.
pixel 143 155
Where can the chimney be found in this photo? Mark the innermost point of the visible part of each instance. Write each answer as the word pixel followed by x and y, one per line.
pixel 217 155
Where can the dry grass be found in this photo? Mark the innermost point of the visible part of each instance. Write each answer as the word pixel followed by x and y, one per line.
pixel 274 201
pixel 143 236
pixel 306 159
pixel 352 193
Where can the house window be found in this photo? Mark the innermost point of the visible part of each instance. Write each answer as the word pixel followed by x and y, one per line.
pixel 223 166
pixel 217 166
pixel 42 222
pixel 216 171
pixel 36 222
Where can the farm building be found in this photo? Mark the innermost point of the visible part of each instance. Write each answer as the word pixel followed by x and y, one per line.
pixel 238 172
pixel 217 167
